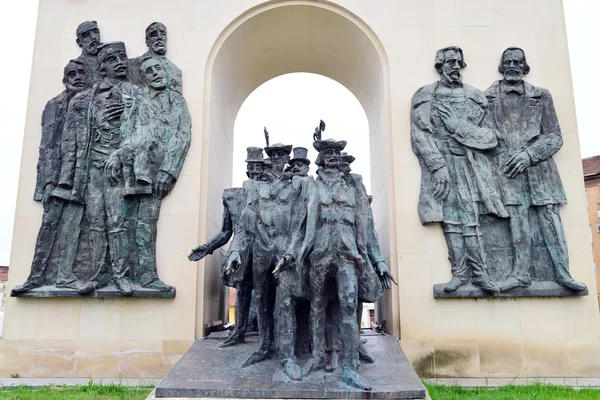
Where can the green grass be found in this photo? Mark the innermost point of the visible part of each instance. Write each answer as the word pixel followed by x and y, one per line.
pixel 537 391
pixel 89 392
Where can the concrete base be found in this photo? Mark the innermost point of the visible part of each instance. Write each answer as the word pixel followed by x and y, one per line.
pixel 152 396
pixel 105 292
pixel 208 371
pixel 537 289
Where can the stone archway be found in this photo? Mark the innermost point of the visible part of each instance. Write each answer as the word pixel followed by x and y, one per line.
pixel 272 40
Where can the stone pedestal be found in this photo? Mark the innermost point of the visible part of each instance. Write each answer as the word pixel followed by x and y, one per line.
pixel 208 371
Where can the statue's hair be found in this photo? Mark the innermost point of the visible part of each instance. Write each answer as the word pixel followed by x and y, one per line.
pixel 440 57
pixel 152 25
pixel 526 67
pixel 319 161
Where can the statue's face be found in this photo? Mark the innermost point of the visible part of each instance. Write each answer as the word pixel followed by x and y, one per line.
pixel 254 170
pixel 513 63
pixel 299 168
pixel 156 39
pixel 279 158
pixel 75 78
pixel 115 65
pixel 89 41
pixel 154 74
pixel 452 65
pixel 345 167
pixel 331 158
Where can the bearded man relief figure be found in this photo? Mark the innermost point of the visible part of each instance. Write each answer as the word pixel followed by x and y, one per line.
pixel 489 178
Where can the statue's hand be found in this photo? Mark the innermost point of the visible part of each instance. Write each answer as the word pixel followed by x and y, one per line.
pixel 164 184
pixel 282 265
pixel 286 176
pixel 47 197
pixel 110 113
pixel 449 118
pixel 441 183
pixel 199 253
pixel 517 164
pixel 385 276
pixel 233 262
pixel 112 167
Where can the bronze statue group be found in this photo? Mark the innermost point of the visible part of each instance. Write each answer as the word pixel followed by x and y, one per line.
pixel 112 146
pixel 302 240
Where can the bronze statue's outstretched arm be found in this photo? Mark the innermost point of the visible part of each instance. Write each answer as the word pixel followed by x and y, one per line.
pixel 216 242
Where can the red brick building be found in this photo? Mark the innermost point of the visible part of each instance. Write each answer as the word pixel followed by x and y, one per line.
pixel 591 177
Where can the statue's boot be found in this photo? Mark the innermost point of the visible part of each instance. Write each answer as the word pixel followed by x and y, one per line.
pixel 292 369
pixel 332 362
pixel 85 288
pixel 233 339
pixel 313 364
pixel 511 283
pixel 476 260
pixel 26 287
pixel 487 286
pixel 158 285
pixel 98 249
pixel 364 355
pixel 353 379
pixel 120 263
pixel 457 254
pixel 574 285
pixel 124 286
pixel 258 356
pixel 454 284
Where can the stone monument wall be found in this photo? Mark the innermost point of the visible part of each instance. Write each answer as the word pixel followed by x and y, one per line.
pixel 382 53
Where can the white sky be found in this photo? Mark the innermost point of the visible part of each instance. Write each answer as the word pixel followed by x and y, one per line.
pixel 290 106
pixel 287 105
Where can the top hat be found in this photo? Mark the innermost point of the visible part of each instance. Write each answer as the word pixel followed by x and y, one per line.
pixel 300 154
pixel 278 146
pixel 347 158
pixel 255 154
pixel 326 144
pixel 86 26
pixel 108 48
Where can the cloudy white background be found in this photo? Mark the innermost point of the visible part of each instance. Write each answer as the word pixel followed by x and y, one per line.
pixel 290 106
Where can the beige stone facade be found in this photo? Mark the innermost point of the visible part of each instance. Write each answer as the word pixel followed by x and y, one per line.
pixel 380 50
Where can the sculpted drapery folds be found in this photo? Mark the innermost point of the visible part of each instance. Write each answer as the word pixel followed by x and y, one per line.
pixel 448 134
pixel 105 149
pixel 172 133
pixel 529 135
pixel 48 171
pixel 334 244
pixel 491 155
pixel 108 156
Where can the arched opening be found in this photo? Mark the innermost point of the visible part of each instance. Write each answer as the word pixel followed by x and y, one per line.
pixel 269 41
